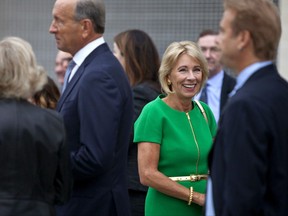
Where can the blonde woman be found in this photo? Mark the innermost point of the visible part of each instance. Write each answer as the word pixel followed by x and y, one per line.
pixel 34 164
pixel 174 136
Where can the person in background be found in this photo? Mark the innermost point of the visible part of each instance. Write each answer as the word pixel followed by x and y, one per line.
pixel 174 136
pixel 97 107
pixel 140 59
pixel 49 95
pixel 61 63
pixel 219 83
pixel 35 172
pixel 249 159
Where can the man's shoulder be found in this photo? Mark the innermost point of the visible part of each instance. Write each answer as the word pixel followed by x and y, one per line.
pixel 229 76
pixel 229 80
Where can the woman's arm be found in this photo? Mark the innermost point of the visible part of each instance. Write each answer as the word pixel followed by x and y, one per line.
pixel 148 158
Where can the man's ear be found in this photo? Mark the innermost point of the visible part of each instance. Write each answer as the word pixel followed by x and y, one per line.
pixel 244 38
pixel 87 27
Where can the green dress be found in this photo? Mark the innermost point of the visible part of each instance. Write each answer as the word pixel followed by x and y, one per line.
pixel 160 124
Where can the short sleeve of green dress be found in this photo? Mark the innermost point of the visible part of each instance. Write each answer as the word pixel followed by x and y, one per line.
pixel 184 147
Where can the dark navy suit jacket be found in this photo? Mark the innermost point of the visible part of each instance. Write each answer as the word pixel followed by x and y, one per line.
pixel 97 107
pixel 249 159
pixel 227 86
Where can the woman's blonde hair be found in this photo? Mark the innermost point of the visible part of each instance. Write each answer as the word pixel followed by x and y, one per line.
pixel 19 75
pixel 172 54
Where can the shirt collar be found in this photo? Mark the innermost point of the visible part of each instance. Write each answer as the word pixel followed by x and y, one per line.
pixel 216 80
pixel 81 55
pixel 246 73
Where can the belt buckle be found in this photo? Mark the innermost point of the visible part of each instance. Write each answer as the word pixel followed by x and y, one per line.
pixel 194 178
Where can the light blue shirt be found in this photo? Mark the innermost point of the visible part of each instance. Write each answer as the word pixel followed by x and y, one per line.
pixel 246 73
pixel 81 55
pixel 241 79
pixel 209 211
pixel 214 86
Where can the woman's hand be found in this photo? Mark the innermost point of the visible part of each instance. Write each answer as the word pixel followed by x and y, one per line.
pixel 199 198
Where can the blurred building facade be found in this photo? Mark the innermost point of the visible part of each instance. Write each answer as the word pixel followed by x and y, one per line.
pixel 165 21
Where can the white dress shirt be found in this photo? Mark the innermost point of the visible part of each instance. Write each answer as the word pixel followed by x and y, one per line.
pixel 81 55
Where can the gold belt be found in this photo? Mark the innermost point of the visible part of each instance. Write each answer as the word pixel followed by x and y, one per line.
pixel 192 178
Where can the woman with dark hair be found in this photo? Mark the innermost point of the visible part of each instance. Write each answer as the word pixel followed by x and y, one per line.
pixel 48 96
pixel 140 59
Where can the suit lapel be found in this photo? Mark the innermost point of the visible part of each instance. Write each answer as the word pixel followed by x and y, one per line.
pixel 227 87
pixel 70 86
pixel 81 70
pixel 262 73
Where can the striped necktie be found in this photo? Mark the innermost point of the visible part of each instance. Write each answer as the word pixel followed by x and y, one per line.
pixel 203 96
pixel 70 67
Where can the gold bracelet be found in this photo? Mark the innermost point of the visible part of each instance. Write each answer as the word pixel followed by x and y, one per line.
pixel 190 196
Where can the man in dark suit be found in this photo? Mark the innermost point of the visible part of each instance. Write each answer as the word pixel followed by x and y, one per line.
pixel 249 159
pixel 97 109
pixel 219 83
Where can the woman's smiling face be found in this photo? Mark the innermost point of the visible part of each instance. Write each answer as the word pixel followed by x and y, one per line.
pixel 186 77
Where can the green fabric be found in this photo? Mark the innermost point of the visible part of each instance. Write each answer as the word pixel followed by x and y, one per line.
pixel 160 124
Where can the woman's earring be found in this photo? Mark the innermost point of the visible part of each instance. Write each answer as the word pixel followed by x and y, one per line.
pixel 169 82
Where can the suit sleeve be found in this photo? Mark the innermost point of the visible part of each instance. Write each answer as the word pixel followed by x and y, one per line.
pixel 63 179
pixel 99 108
pixel 245 158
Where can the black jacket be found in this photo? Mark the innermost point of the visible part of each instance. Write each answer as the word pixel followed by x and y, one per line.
pixel 142 94
pixel 249 159
pixel 34 161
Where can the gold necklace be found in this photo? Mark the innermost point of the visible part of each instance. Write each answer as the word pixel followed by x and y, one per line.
pixel 196 143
